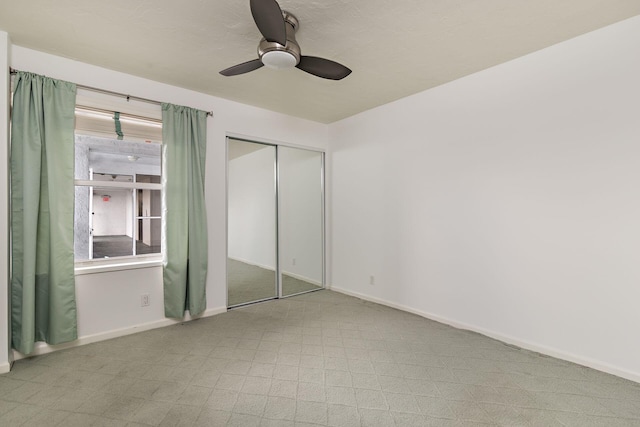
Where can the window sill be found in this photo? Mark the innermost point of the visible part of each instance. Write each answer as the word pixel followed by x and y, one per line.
pixel 102 266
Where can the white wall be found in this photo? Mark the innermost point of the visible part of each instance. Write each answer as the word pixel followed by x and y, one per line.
pixel 252 207
pixel 505 202
pixel 110 301
pixel 5 50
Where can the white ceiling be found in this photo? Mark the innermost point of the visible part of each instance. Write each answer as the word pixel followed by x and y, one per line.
pixel 395 48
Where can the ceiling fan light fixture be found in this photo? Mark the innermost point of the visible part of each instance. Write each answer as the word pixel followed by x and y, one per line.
pixel 279 49
pixel 279 59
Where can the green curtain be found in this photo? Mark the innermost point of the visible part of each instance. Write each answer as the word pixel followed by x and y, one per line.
pixel 43 303
pixel 184 137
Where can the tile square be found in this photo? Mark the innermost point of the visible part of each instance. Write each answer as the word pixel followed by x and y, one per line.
pixel 194 395
pixel 394 385
pixel 284 388
pixel 222 400
pixel 261 370
pixel 230 382
pixel 402 403
pixel 371 399
pixel 180 415
pixel 403 419
pixel 367 381
pixel 124 408
pixel 257 385
pixel 375 418
pixel 48 417
pixel 168 392
pixel 280 408
pixel 143 389
pixel 387 369
pixel 359 366
pixel 250 404
pixel 341 395
pixel 206 378
pixel 263 356
pixel 338 378
pixel 151 413
pixel 311 412
pixel 284 372
pixel 308 361
pixel 334 352
pixel 288 359
pixel 237 367
pixel 71 400
pixel 97 404
pixel 336 364
pixel 435 407
pixel 311 375
pixel 212 417
pixel 312 392
pixel 20 414
pixel 343 416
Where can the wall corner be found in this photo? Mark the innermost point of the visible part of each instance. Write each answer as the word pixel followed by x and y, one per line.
pixel 5 95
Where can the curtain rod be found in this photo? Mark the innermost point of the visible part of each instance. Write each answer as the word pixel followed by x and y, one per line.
pixel 109 92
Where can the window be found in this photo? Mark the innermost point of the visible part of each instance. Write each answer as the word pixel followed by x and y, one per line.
pixel 118 190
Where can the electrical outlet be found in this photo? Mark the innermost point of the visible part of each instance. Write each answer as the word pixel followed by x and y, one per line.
pixel 144 300
pixel 372 280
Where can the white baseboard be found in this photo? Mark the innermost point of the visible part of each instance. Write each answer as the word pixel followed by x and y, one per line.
pixel 44 348
pixel 303 278
pixel 527 345
pixel 5 368
pixel 266 267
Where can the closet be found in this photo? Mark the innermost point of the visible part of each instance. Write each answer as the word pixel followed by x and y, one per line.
pixel 275 221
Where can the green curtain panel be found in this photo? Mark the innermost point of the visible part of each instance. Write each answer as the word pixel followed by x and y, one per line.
pixel 184 137
pixel 43 303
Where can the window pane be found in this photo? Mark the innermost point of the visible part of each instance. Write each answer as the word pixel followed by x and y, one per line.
pixel 112 177
pixel 149 236
pixel 109 158
pixel 111 222
pixel 154 179
pixel 149 203
pixel 81 239
pixel 112 246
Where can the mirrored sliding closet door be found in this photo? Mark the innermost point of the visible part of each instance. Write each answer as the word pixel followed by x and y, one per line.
pixel 301 220
pixel 275 221
pixel 251 223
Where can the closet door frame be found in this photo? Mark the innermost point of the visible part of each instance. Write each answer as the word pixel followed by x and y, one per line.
pixel 276 144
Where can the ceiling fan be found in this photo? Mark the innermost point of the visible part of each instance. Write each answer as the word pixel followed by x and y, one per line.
pixel 279 48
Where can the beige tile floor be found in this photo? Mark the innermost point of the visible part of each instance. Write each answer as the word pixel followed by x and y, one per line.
pixel 319 359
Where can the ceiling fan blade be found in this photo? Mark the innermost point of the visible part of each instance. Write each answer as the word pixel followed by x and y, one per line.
pixel 245 67
pixel 269 19
pixel 324 68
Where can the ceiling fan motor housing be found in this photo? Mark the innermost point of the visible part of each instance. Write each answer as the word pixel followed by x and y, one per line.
pixel 274 54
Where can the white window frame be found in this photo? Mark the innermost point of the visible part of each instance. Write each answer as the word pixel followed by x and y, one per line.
pixel 128 262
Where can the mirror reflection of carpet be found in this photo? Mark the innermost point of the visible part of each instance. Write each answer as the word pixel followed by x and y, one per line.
pixel 252 283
